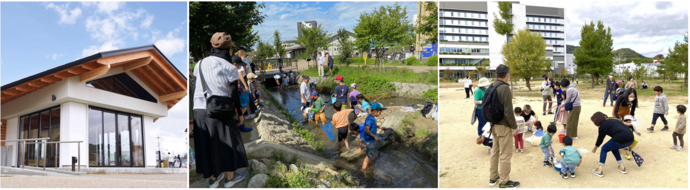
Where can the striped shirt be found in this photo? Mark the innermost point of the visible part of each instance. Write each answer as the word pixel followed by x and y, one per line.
pixel 218 74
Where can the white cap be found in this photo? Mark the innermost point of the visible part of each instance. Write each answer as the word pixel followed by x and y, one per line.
pixel 628 117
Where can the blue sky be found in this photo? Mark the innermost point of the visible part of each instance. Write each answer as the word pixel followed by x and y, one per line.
pixel 40 36
pixel 332 15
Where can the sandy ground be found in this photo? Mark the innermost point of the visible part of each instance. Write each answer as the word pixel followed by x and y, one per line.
pixel 98 181
pixel 464 164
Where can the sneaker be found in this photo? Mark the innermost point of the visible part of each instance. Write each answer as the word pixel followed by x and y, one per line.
pixel 611 105
pixel 510 184
pixel 261 105
pixel 674 147
pixel 651 129
pixel 493 182
pixel 550 113
pixel 214 183
pixel 600 174
pixel 622 171
pixel 517 150
pixel 547 164
pixel 574 138
pixel 572 174
pixel 239 176
pixel 604 105
pixel 627 156
pixel 664 129
pixel 544 113
pixel 564 175
pixel 250 116
pixel 680 148
pixel 245 129
pixel 522 150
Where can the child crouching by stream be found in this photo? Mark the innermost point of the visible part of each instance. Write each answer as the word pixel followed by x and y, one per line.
pixel 367 135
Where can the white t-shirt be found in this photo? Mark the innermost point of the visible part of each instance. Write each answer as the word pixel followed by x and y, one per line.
pixel 304 89
pixel 487 131
pixel 468 82
pixel 218 74
pixel 320 60
pixel 241 69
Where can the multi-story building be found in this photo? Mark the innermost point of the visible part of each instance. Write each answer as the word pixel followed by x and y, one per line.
pixel 467 36
pixel 420 39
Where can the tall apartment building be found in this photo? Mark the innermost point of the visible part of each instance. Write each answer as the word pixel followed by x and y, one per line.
pixel 467 36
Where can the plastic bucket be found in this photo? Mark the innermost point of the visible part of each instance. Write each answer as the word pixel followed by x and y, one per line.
pixel 560 138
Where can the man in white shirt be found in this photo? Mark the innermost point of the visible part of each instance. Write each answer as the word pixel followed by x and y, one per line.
pixel 468 82
pixel 305 92
pixel 319 61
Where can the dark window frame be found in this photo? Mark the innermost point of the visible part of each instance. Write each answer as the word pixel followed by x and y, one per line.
pixel 118 144
pixel 21 128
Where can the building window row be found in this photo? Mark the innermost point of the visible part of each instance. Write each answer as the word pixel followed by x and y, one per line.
pixel 551 34
pixel 463 22
pixel 463 30
pixel 464 38
pixel 463 50
pixel 544 19
pixel 460 62
pixel 544 27
pixel 553 42
pixel 463 14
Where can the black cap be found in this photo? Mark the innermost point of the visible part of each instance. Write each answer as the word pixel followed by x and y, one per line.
pixel 243 48
pixel 543 76
pixel 238 60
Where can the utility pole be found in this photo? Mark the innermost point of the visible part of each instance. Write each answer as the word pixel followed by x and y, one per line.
pixel 159 151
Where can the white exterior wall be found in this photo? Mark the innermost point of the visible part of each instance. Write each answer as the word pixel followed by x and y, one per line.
pixel 496 40
pixel 12 147
pixel 74 98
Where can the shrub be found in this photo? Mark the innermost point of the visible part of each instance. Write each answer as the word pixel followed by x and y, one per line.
pixel 431 94
pixel 432 61
pixel 412 61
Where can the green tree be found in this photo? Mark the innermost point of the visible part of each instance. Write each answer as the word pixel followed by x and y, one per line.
pixel 265 50
pixel 385 26
pixel 595 55
pixel 677 59
pixel 235 18
pixel 527 55
pixel 312 39
pixel 278 44
pixel 639 74
pixel 504 26
pixel 483 67
pixel 346 46
pixel 428 25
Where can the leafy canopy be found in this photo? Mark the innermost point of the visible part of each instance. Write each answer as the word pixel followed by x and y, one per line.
pixel 385 26
pixel 595 55
pixel 526 54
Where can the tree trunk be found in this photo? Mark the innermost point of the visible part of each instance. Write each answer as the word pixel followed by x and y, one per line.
pixel 686 78
pixel 512 85
pixel 528 84
pixel 593 81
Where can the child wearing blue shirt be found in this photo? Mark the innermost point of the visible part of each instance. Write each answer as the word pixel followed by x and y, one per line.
pixel 367 135
pixel 570 158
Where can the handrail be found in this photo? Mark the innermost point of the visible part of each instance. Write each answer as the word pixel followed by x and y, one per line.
pixel 44 141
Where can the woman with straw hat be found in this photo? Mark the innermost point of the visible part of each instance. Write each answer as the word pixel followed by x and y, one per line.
pixel 478 96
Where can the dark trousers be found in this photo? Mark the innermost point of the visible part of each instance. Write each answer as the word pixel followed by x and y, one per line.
pixel 547 98
pixel 613 148
pixel 471 92
pixel 659 115
pixel 467 91
pixel 606 96
pixel 680 138
pixel 481 120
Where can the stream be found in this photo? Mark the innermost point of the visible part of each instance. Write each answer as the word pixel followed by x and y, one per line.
pixel 393 167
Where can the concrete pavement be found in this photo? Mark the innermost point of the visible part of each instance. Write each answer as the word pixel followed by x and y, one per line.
pixel 98 181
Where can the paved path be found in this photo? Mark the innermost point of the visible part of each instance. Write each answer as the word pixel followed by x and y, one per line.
pixel 98 181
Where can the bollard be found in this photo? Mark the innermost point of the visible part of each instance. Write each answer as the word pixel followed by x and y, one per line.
pixel 74 161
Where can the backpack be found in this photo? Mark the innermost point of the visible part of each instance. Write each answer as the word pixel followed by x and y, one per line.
pixel 618 92
pixel 491 109
pixel 427 108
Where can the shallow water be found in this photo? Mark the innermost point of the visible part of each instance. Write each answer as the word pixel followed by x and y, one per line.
pixel 394 165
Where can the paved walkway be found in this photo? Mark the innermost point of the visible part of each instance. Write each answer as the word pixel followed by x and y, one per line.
pixel 98 181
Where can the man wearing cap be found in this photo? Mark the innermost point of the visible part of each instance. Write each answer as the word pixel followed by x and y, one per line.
pixel 341 91
pixel 304 92
pixel 546 93
pixel 610 89
pixel 218 154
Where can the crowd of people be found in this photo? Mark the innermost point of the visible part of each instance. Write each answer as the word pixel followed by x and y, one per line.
pixel 498 129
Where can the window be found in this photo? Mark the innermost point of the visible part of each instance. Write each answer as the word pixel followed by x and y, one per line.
pixel 122 84
pixel 41 124
pixel 115 139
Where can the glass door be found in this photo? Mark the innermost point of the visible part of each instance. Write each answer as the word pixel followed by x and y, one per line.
pixel 115 139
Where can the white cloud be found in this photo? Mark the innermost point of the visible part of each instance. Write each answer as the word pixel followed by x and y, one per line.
pixel 109 6
pixel 171 128
pixel 67 16
pixel 147 22
pixel 55 56
pixel 107 46
pixel 171 44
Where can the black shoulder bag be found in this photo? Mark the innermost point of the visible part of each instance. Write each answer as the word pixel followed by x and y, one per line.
pixel 217 107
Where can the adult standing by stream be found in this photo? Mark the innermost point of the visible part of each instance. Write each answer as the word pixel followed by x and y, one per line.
pixel 571 104
pixel 218 143
pixel 478 96
pixel 319 61
pixel 330 65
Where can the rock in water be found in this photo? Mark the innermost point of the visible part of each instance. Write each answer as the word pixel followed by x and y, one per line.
pixel 293 168
pixel 352 154
pixel 321 186
pixel 325 182
pixel 258 181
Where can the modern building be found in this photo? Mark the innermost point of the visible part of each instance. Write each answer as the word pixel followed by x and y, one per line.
pixel 420 39
pixel 109 101
pixel 294 50
pixel 569 65
pixel 650 69
pixel 467 36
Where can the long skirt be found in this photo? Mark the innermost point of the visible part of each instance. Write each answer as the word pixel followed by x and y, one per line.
pixel 573 121
pixel 219 148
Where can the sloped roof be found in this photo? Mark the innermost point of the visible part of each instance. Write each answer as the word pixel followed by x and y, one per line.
pixel 146 62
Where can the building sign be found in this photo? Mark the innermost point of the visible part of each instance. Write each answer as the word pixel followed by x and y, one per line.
pixel 430 50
